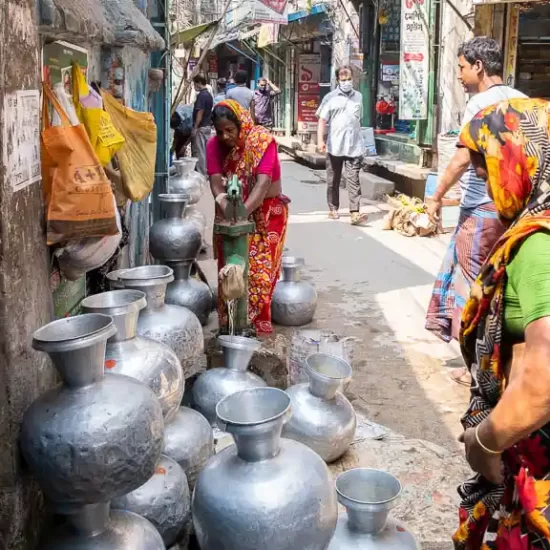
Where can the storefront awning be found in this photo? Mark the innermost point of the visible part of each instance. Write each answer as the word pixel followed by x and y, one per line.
pixel 184 36
pixel 297 15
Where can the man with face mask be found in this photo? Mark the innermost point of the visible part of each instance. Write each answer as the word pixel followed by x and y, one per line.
pixel 341 110
pixel 263 102
pixel 202 122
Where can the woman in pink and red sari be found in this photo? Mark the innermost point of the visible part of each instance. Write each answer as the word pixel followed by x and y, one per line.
pixel 250 152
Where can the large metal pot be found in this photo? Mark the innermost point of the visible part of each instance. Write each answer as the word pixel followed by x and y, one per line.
pixel 186 181
pixel 294 301
pixel 93 527
pixel 163 500
pixel 96 436
pixel 174 238
pixel 215 384
pixel 189 292
pixel 189 440
pixel 195 216
pixel 175 326
pixel 278 486
pixel 322 417
pixel 148 361
pixel 368 496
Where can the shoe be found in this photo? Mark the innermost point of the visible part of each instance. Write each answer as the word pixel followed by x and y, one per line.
pixel 333 215
pixel 357 218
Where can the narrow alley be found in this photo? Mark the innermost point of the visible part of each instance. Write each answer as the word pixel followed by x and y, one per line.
pixel 375 285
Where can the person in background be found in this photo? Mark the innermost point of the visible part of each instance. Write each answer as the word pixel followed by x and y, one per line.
pixel 220 96
pixel 240 93
pixel 263 102
pixel 341 110
pixel 230 84
pixel 240 148
pixel 479 227
pixel 202 121
pixel 505 337
pixel 181 122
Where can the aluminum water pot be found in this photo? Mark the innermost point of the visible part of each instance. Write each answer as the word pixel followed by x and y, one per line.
pixel 194 215
pixel 294 301
pixel 164 500
pixel 96 436
pixel 368 496
pixel 148 361
pixel 322 417
pixel 215 384
pixel 94 527
pixel 175 326
pixel 186 181
pixel 174 238
pixel 189 440
pixel 189 292
pixel 264 491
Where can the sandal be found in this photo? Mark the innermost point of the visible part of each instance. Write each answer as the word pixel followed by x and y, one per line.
pixel 461 376
pixel 333 215
pixel 357 218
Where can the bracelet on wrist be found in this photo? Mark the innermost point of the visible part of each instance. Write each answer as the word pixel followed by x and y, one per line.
pixel 486 449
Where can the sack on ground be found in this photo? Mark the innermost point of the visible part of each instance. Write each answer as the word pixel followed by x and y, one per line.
pixel 77 192
pixel 105 138
pixel 138 156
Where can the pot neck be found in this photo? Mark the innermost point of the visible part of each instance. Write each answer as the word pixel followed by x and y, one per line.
pixel 322 386
pixel 258 442
pixel 183 168
pixel 155 293
pixel 237 357
pixel 126 326
pixel 366 521
pixel 291 274
pixel 91 519
pixel 182 270
pixel 174 209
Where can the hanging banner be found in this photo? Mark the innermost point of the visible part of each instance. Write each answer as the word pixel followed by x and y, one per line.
pixel 271 11
pixel 415 60
pixel 269 34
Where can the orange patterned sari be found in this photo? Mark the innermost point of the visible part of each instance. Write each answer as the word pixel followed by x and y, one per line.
pixel 266 244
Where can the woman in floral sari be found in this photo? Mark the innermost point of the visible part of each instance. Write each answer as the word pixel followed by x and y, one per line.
pixel 250 152
pixel 505 338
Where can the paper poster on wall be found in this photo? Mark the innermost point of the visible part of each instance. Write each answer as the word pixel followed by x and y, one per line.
pixel 57 62
pixel 415 60
pixel 21 138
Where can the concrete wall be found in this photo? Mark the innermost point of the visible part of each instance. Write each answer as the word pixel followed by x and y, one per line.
pixel 25 296
pixel 454 31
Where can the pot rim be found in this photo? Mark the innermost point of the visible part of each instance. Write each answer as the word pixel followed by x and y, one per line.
pixel 343 363
pixel 174 197
pixel 157 274
pixel 70 333
pixel 130 301
pixel 239 395
pixel 239 342
pixel 353 472
pixel 293 261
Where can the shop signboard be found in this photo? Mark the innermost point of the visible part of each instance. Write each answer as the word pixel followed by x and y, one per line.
pixel 415 60
pixel 269 34
pixel 309 68
pixel 307 109
pixel 213 66
pixel 253 12
pixel 510 55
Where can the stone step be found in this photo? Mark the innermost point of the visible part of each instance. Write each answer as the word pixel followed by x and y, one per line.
pixel 374 187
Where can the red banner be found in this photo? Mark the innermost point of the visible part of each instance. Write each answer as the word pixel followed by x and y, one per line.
pixel 307 109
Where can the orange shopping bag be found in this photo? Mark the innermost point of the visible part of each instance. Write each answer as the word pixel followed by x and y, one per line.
pixel 78 194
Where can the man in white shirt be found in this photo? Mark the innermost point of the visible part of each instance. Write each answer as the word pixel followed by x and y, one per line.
pixel 479 227
pixel 341 110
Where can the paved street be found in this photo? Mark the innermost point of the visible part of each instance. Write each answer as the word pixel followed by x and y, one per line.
pixel 375 285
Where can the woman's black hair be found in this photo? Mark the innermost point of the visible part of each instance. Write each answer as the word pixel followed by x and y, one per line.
pixel 222 112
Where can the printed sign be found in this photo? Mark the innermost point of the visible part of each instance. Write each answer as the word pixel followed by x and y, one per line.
pixel 57 62
pixel 510 60
pixel 309 88
pixel 21 151
pixel 415 60
pixel 390 73
pixel 271 11
pixel 309 68
pixel 307 109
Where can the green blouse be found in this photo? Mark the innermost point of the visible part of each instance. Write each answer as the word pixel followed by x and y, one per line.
pixel 527 290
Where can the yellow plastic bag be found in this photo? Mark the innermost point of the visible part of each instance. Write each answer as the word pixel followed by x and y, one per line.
pixel 138 156
pixel 105 138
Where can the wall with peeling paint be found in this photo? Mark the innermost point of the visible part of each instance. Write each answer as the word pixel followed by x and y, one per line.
pixel 25 296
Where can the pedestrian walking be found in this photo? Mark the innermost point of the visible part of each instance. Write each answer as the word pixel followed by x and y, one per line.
pixel 240 92
pixel 341 111
pixel 263 102
pixel 202 122
pixel 505 337
pixel 479 227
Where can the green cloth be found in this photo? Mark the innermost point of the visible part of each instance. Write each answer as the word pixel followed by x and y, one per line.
pixel 527 290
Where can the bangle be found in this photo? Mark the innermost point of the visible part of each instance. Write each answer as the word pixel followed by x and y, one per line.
pixel 220 198
pixel 486 449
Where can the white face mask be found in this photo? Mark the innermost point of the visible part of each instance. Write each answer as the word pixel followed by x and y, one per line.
pixel 346 86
